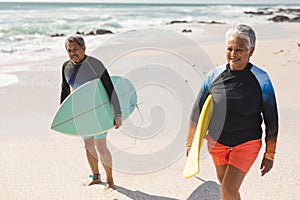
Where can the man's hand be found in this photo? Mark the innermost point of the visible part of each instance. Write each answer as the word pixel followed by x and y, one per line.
pixel 118 121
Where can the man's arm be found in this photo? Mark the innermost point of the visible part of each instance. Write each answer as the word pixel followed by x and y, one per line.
pixel 113 97
pixel 105 78
pixel 65 88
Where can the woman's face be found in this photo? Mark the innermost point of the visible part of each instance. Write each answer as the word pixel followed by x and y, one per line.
pixel 237 53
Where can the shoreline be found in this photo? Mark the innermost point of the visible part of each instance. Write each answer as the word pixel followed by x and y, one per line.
pixel 204 34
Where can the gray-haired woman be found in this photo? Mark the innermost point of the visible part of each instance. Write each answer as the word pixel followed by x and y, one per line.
pixel 243 98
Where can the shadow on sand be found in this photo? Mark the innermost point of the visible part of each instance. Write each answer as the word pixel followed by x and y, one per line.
pixel 138 195
pixel 209 190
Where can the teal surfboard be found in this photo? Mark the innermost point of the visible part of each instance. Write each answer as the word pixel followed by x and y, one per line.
pixel 87 111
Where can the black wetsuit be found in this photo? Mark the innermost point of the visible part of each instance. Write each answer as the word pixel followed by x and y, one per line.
pixel 242 100
pixel 90 68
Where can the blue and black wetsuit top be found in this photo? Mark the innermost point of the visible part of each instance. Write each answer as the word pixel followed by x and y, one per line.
pixel 90 68
pixel 242 100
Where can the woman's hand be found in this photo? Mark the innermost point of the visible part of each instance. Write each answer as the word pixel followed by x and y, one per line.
pixel 187 151
pixel 266 166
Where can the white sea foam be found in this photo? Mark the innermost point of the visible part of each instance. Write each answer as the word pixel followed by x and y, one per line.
pixel 13 69
pixel 8 79
pixel 25 28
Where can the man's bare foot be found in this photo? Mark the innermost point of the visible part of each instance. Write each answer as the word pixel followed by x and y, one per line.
pixel 109 186
pixel 94 181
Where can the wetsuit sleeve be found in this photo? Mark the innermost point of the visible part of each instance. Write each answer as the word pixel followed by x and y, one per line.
pixel 195 115
pixel 269 109
pixel 204 92
pixel 270 116
pixel 106 81
pixel 65 88
pixel 202 95
pixel 196 109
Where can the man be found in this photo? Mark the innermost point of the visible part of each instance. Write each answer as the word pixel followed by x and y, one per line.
pixel 75 72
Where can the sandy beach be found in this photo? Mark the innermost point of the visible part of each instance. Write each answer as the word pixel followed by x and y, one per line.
pixel 37 163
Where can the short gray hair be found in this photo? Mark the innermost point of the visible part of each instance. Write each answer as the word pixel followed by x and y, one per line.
pixel 243 31
pixel 75 38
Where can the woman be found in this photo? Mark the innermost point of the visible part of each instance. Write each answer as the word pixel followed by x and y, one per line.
pixel 243 98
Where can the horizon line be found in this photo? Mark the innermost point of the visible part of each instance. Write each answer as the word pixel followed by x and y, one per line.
pixel 150 3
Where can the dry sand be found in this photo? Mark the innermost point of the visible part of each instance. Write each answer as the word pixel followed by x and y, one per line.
pixel 37 163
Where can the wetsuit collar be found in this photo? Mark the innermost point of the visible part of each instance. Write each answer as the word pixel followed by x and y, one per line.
pixel 247 68
pixel 80 62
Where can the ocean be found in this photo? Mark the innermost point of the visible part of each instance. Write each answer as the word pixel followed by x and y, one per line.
pixel 26 28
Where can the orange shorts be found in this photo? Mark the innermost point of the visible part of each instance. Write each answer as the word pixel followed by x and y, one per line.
pixel 241 156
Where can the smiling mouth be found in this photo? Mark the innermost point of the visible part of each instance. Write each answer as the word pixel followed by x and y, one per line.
pixel 234 59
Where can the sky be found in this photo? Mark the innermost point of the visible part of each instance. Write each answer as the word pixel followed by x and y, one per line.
pixel 170 1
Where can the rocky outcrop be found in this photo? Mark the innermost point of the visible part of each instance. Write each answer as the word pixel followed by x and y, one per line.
pixel 258 13
pixel 295 19
pixel 283 18
pixel 279 18
pixel 103 31
pixel 100 32
pixel 97 32
pixel 178 22
pixel 201 22
pixel 289 10
pixel 211 22
pixel 293 14
pixel 186 31
pixel 57 35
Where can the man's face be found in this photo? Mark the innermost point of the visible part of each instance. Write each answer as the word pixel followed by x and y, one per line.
pixel 76 53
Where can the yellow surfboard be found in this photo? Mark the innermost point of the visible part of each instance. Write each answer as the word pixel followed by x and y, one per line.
pixel 192 165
